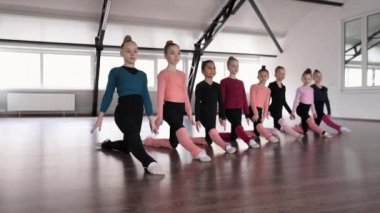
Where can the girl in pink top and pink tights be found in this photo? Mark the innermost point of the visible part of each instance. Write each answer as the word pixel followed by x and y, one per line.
pixel 259 98
pixel 303 101
pixel 173 101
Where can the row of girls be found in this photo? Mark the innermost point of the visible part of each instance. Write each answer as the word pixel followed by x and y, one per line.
pixel 228 99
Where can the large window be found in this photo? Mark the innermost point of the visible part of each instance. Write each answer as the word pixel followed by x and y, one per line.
pixel 61 71
pixel 33 68
pixel 36 69
pixel 20 70
pixel 362 52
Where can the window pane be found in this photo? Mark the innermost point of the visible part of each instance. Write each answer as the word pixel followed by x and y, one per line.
pixel 377 77
pixel 106 64
pixel 162 64
pixel 370 79
pixel 66 71
pixel 248 73
pixel 20 70
pixel 352 53
pixel 353 77
pixel 147 66
pixel 373 49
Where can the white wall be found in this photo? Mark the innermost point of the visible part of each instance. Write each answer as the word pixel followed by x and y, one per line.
pixel 315 42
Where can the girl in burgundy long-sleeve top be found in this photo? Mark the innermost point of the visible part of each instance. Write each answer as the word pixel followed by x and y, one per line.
pixel 259 104
pixel 172 102
pixel 235 100
pixel 303 101
pixel 320 99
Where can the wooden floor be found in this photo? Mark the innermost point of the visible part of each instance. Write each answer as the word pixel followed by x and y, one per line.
pixel 51 165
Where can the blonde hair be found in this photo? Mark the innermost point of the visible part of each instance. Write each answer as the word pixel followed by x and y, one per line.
pixel 230 60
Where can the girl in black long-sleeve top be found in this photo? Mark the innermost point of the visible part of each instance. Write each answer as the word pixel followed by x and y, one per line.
pixel 278 102
pixel 207 100
pixel 320 99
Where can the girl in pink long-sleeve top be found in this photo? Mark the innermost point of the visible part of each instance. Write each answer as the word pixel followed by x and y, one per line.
pixel 235 100
pixel 259 98
pixel 173 101
pixel 303 101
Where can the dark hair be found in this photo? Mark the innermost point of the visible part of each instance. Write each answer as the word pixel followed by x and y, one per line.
pixel 230 59
pixel 307 72
pixel 316 72
pixel 278 68
pixel 168 45
pixel 204 63
pixel 263 69
pixel 127 39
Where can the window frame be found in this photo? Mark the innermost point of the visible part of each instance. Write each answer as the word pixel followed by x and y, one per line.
pixel 364 47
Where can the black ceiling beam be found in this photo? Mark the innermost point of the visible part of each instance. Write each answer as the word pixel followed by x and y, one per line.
pixel 230 8
pixel 261 17
pixel 218 23
pixel 99 47
pixel 331 3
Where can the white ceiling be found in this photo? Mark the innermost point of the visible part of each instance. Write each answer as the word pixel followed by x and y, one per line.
pixel 281 15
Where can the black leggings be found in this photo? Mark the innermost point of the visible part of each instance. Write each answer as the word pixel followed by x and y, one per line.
pixel 234 117
pixel 258 121
pixel 303 112
pixel 276 115
pixel 128 117
pixel 173 115
pixel 209 122
pixel 320 113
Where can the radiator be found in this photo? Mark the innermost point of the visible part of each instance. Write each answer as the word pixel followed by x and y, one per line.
pixel 40 102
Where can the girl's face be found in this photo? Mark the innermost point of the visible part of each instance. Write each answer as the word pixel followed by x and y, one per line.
pixel 173 55
pixel 129 52
pixel 317 77
pixel 209 70
pixel 263 77
pixel 233 67
pixel 306 79
pixel 280 75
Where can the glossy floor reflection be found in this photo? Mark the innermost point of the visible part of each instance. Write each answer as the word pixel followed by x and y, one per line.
pixel 51 165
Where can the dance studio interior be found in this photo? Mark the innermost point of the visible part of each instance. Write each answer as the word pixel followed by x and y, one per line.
pixel 130 106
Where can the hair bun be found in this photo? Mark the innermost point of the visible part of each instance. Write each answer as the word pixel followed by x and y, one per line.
pixel 169 42
pixel 263 67
pixel 127 38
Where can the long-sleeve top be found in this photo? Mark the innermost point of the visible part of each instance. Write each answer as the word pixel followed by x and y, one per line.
pixel 305 95
pixel 321 98
pixel 207 100
pixel 172 87
pixel 233 94
pixel 278 95
pixel 259 97
pixel 127 81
